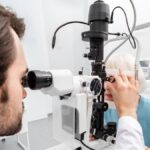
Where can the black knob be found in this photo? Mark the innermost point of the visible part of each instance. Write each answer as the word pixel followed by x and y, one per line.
pixel 84 84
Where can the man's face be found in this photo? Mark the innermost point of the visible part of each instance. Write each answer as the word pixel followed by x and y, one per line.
pixel 11 110
pixel 107 94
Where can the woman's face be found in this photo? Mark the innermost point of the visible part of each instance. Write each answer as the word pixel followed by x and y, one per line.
pixel 107 93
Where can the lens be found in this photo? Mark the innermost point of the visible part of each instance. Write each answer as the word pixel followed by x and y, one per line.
pixel 96 86
pixel 39 79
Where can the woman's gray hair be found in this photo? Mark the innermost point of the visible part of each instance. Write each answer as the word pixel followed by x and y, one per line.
pixel 126 62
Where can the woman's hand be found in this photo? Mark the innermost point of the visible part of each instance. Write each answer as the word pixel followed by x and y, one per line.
pixel 125 94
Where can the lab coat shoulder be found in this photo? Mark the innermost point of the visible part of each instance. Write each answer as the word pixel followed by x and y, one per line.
pixel 129 135
pixel 143 114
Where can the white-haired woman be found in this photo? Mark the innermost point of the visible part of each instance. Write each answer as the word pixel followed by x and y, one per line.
pixel 126 63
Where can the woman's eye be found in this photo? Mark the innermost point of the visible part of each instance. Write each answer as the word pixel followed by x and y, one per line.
pixel 110 79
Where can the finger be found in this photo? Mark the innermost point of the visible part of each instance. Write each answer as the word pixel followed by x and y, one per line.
pixel 118 79
pixel 123 75
pixel 132 80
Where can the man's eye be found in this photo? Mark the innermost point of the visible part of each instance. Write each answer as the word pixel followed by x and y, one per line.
pixel 24 81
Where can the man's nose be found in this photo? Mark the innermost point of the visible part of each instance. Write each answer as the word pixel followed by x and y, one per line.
pixel 24 94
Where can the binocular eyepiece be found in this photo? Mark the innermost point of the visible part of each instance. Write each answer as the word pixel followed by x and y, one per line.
pixel 36 79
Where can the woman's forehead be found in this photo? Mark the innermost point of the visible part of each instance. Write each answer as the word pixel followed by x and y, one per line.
pixel 113 72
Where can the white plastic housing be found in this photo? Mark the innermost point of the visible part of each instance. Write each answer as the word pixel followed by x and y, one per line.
pixel 62 83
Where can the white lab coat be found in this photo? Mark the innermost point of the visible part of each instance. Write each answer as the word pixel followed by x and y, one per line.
pixel 129 135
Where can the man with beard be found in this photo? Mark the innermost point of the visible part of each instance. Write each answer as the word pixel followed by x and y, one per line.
pixel 12 70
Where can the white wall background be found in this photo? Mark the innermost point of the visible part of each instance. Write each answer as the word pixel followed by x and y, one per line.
pixel 43 17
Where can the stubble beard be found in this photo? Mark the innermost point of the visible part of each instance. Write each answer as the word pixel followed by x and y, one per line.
pixel 11 128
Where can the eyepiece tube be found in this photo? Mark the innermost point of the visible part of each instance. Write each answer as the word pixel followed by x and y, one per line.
pixel 39 79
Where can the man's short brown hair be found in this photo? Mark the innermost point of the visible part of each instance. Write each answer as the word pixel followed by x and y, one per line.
pixel 8 20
